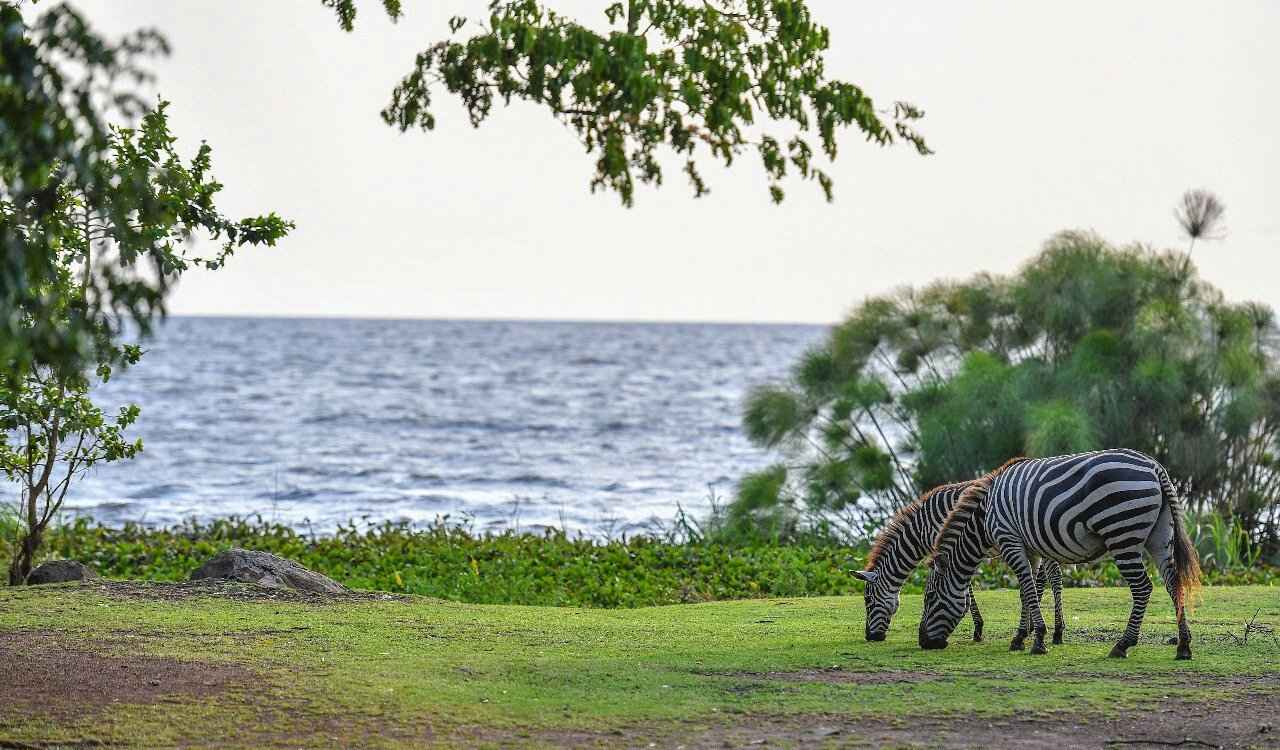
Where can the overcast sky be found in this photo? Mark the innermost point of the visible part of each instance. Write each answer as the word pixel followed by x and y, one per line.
pixel 1043 116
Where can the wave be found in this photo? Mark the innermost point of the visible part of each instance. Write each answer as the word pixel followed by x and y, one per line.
pixel 612 427
pixel 333 417
pixel 163 490
pixel 297 493
pixel 493 425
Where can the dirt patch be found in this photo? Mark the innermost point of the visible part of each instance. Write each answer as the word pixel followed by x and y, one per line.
pixel 835 676
pixel 1251 720
pixel 229 590
pixel 45 677
pixel 1269 682
pixel 44 673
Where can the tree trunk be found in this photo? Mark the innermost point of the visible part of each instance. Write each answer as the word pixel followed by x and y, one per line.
pixel 24 558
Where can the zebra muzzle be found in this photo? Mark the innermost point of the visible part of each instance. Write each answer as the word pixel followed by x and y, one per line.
pixel 929 643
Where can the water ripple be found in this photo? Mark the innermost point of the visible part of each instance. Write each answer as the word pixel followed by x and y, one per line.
pixel 590 425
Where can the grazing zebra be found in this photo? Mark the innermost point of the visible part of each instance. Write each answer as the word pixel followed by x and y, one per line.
pixel 907 540
pixel 1073 509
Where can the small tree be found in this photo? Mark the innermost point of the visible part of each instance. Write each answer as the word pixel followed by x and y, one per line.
pixel 51 431
pixel 55 434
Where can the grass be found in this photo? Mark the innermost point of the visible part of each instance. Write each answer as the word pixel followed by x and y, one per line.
pixel 401 673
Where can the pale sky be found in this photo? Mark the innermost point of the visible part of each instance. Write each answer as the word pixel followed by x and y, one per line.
pixel 1043 116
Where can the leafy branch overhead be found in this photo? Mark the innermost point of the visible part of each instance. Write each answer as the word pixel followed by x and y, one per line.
pixel 170 201
pixel 709 80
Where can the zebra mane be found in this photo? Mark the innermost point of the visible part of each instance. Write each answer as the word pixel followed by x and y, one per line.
pixel 967 505
pixel 898 523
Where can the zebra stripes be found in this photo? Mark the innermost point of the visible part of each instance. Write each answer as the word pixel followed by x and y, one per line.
pixel 908 539
pixel 1072 509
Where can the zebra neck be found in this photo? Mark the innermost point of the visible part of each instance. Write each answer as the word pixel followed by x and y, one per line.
pixel 901 554
pixel 970 557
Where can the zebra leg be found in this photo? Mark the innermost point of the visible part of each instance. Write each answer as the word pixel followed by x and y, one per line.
pixel 1160 545
pixel 977 616
pixel 1129 561
pixel 1030 593
pixel 1055 579
pixel 1020 635
pixel 1042 581
pixel 1024 620
pixel 1184 630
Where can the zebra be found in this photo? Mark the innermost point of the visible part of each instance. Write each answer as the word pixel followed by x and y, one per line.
pixel 1073 509
pixel 905 541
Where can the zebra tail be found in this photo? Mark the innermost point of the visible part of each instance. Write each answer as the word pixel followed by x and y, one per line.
pixel 1185 560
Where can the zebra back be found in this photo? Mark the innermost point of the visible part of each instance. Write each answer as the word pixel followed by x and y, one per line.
pixel 915 524
pixel 967 506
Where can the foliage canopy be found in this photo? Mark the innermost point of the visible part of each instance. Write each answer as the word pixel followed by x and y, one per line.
pixel 709 80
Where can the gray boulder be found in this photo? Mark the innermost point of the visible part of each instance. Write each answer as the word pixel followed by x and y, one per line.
pixel 60 571
pixel 266 569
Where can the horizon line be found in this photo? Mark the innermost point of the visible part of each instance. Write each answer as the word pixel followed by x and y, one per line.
pixel 496 319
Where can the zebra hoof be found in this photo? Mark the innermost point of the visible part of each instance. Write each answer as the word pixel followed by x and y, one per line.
pixel 1119 651
pixel 1039 649
pixel 1017 645
pixel 1057 639
pixel 1184 653
pixel 977 636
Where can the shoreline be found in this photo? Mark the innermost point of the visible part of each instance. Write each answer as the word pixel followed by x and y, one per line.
pixel 548 569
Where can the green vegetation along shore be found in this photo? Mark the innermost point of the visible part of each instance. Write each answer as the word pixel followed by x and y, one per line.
pixel 146 665
pixel 534 569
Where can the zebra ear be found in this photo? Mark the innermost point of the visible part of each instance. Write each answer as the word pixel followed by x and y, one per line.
pixel 865 575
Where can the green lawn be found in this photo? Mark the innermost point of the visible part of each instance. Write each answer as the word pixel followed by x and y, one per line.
pixel 413 671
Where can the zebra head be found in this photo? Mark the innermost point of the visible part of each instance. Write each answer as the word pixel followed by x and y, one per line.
pixel 961 545
pixel 946 598
pixel 882 602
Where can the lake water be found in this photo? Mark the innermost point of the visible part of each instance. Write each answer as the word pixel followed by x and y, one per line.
pixel 597 427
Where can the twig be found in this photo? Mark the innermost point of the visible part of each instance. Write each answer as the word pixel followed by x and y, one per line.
pixel 1251 627
pixel 1179 743
pixel 40 745
pixel 1248 626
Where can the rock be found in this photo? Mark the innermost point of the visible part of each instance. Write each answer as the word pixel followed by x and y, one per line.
pixel 60 571
pixel 266 569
